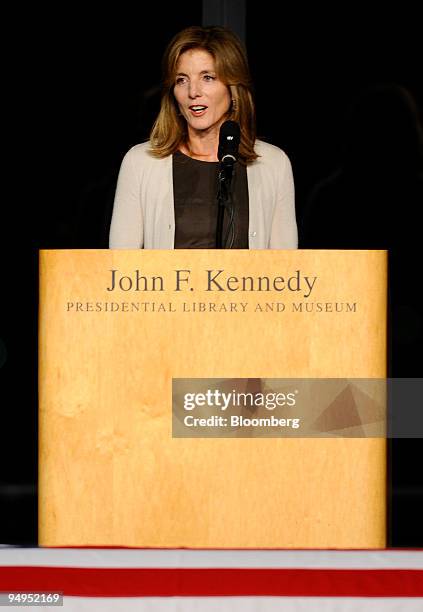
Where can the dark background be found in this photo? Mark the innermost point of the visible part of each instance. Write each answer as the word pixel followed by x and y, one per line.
pixel 84 88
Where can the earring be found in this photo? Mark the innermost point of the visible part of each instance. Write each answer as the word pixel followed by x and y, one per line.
pixel 234 105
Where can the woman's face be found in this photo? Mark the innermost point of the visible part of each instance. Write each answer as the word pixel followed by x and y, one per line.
pixel 202 98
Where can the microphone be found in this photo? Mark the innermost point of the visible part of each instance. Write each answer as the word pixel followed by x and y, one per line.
pixel 227 153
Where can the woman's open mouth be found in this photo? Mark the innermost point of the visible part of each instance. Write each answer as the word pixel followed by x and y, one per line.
pixel 198 110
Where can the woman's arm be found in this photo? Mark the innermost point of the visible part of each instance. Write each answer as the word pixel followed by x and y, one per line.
pixel 126 229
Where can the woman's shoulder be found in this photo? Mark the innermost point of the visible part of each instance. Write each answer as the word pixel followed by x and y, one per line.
pixel 271 156
pixel 141 147
pixel 141 151
pixel 269 152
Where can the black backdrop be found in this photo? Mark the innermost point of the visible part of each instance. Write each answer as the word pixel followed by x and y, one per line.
pixel 81 89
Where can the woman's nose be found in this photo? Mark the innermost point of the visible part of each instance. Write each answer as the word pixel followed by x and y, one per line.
pixel 194 89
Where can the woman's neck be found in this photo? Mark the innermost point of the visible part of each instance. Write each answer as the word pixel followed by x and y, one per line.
pixel 195 155
pixel 201 146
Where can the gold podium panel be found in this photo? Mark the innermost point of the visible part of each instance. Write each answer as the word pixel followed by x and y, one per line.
pixel 116 327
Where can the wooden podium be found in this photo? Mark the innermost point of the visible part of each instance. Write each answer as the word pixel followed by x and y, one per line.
pixel 116 327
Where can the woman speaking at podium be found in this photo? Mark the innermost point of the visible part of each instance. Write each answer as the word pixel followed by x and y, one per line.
pixel 169 189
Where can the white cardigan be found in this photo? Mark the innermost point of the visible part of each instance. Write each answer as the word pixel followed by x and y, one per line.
pixel 143 211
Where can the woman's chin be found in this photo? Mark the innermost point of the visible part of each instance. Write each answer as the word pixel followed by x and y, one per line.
pixel 201 127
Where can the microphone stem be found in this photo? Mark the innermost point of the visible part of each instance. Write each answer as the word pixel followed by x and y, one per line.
pixel 223 200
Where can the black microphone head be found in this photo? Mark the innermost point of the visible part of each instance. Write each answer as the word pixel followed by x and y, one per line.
pixel 229 139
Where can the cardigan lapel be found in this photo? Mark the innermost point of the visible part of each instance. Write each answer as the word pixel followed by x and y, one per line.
pixel 162 186
pixel 255 223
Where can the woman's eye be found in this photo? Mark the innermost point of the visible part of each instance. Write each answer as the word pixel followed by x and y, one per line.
pixel 179 80
pixel 208 77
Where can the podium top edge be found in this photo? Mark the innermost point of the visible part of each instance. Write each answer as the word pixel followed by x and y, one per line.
pixel 41 251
